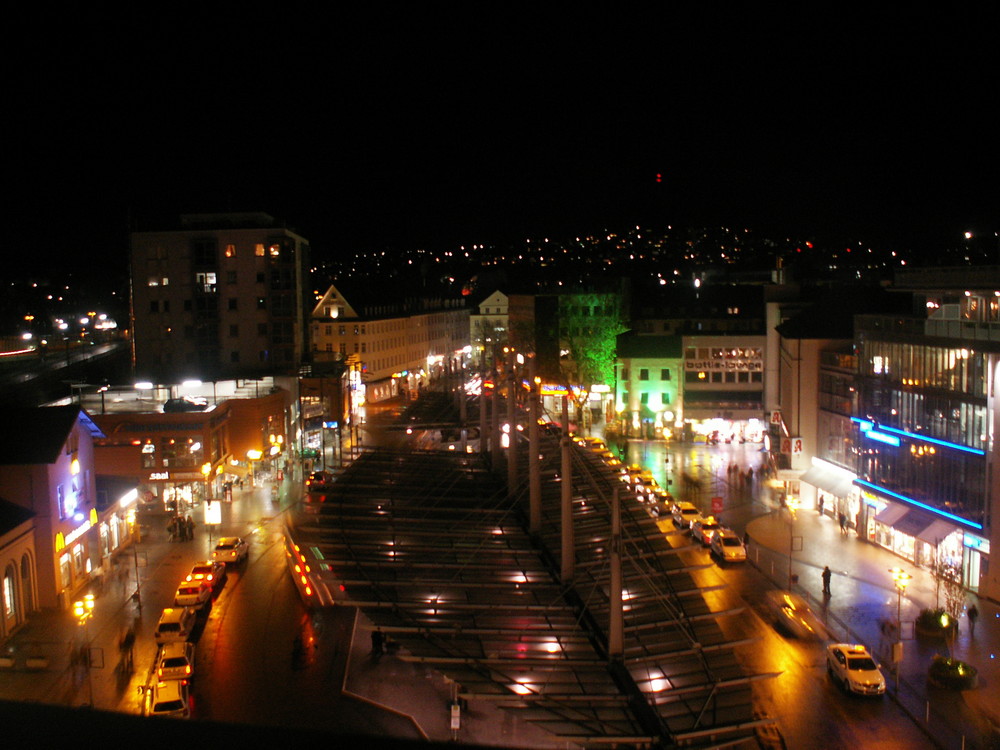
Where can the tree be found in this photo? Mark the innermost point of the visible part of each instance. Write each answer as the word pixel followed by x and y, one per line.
pixel 589 326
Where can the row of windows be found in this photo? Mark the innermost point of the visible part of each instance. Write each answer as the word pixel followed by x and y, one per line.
pixel 204 252
pixel 723 376
pixel 158 306
pixel 210 333
pixel 714 352
pixel 947 479
pixel 947 418
pixel 916 365
pixel 644 373
pixel 207 281
pixel 644 397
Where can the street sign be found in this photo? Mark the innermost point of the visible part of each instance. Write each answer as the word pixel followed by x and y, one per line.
pixel 716 505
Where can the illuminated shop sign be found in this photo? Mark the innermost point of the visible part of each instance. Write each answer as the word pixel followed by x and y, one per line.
pixel 64 541
pixel 696 365
pixel 977 542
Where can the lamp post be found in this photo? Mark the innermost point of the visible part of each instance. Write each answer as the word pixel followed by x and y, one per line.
pixel 793 504
pixel 83 611
pixel 900 578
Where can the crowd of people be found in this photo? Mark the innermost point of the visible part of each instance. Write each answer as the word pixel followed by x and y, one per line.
pixel 181 528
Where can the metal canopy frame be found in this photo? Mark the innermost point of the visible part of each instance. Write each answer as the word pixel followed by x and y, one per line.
pixel 433 549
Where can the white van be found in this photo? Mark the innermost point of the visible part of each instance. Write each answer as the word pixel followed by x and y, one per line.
pixel 175 624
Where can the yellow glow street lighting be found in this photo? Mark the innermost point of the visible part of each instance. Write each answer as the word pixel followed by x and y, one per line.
pixel 900 578
pixel 83 611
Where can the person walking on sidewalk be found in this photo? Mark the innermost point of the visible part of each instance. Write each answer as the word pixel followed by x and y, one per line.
pixel 826 580
pixel 973 614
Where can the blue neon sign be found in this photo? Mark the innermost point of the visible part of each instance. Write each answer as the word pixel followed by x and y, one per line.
pixel 911 501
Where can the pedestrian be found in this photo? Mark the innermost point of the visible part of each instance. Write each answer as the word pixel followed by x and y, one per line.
pixel 826 580
pixel 377 641
pixel 172 528
pixel 821 505
pixel 746 539
pixel 973 614
pixel 189 526
pixel 842 520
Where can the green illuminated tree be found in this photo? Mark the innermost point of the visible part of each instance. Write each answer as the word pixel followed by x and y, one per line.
pixel 589 325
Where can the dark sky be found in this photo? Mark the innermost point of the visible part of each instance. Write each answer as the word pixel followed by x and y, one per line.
pixel 466 124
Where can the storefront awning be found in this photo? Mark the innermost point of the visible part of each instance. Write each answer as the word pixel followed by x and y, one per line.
pixel 236 470
pixel 891 514
pixel 835 482
pixel 913 523
pixel 937 531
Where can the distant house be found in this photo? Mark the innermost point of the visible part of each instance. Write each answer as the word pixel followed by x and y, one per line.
pixel 394 343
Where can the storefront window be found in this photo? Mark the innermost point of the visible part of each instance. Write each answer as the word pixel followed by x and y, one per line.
pixel 65 574
pixel 9 593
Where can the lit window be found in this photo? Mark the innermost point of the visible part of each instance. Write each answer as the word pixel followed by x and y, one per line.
pixel 275 250
pixel 259 250
pixel 230 251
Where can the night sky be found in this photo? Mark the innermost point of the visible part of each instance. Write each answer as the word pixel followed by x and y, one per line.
pixel 465 124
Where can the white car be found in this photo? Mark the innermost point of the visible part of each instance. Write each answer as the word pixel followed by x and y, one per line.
pixel 728 547
pixel 704 529
pixel 169 698
pixel 231 549
pixel 175 661
pixel 209 571
pixel 854 669
pixel 685 514
pixel 194 594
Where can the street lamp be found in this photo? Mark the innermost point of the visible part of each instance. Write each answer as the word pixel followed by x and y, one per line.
pixel 793 505
pixel 83 611
pixel 900 578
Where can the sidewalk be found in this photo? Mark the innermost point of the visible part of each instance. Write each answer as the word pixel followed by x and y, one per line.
pixel 46 651
pixel 862 594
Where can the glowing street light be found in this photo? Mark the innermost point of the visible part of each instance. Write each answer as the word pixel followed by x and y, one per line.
pixel 900 578
pixel 83 611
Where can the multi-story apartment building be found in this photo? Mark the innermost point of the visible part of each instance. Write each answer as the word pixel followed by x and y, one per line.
pixel 219 295
pixel 395 345
pixel 925 424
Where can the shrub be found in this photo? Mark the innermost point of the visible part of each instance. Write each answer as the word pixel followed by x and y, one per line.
pixel 935 622
pixel 952 673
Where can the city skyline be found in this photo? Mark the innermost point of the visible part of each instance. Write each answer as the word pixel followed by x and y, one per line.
pixel 386 134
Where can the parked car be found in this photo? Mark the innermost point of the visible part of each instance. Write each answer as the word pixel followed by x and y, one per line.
pixel 170 698
pixel 854 669
pixel 703 529
pixel 231 550
pixel 187 403
pixel 194 594
pixel 175 661
pixel 175 624
pixel 728 547
pixel 685 514
pixel 209 571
